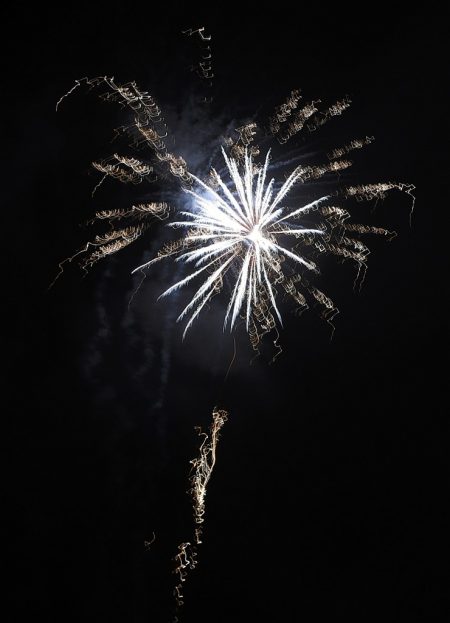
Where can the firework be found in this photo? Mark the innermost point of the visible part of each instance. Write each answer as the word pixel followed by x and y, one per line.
pixel 245 231
pixel 255 225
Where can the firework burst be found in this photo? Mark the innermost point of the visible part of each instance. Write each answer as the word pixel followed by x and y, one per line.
pixel 239 227
pixel 242 232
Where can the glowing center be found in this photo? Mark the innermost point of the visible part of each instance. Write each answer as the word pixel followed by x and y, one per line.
pixel 255 235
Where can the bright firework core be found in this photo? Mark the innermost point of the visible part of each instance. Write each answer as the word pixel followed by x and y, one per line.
pixel 237 231
pixel 255 236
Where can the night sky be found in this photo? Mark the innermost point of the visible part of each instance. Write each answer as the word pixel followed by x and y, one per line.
pixel 329 498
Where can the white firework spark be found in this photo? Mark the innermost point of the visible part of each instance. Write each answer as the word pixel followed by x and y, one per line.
pixel 239 227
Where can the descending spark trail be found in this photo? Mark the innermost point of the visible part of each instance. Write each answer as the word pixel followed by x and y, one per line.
pixel 243 227
pixel 202 468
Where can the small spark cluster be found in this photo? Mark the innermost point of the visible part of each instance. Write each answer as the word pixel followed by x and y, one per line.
pixel 203 66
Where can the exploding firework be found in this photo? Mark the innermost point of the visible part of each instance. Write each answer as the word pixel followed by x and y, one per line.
pixel 241 226
pixel 256 236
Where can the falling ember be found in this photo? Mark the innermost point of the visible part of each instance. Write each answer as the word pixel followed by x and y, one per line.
pixel 202 468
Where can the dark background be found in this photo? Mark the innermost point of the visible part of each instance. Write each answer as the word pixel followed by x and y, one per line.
pixel 329 498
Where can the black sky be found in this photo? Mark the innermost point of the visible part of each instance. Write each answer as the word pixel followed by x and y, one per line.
pixel 329 498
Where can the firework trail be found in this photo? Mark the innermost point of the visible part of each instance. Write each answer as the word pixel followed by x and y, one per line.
pixel 202 468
